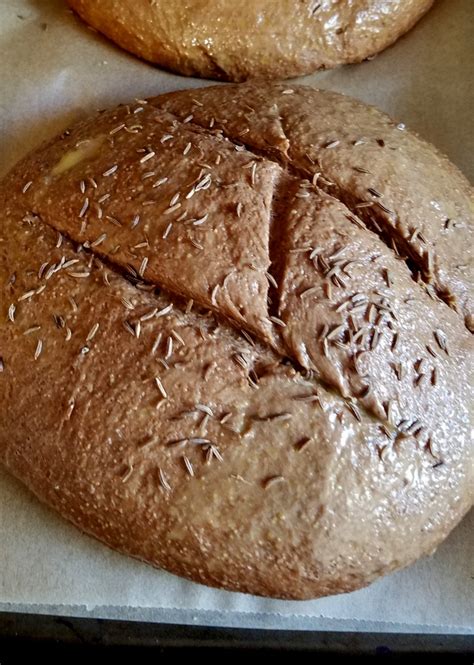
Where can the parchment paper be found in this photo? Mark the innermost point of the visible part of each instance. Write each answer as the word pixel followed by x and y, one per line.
pixel 54 70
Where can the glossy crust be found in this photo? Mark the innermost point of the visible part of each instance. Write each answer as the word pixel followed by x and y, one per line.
pixel 235 41
pixel 246 384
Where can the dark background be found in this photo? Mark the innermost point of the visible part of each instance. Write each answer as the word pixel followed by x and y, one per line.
pixel 32 638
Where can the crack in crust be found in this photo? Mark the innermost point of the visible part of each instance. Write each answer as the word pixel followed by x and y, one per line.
pixel 379 221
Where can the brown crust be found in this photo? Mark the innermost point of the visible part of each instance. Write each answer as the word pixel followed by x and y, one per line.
pixel 298 429
pixel 238 41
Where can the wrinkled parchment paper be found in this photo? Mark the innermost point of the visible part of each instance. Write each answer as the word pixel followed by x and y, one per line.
pixel 54 70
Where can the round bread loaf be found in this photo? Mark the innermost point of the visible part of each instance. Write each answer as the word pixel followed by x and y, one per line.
pixel 235 41
pixel 233 337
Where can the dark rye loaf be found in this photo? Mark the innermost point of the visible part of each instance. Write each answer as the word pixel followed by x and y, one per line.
pixel 235 41
pixel 232 337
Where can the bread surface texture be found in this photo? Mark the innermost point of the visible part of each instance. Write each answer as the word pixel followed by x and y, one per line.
pixel 236 41
pixel 234 336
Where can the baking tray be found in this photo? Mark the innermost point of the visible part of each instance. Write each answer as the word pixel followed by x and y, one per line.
pixel 53 71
